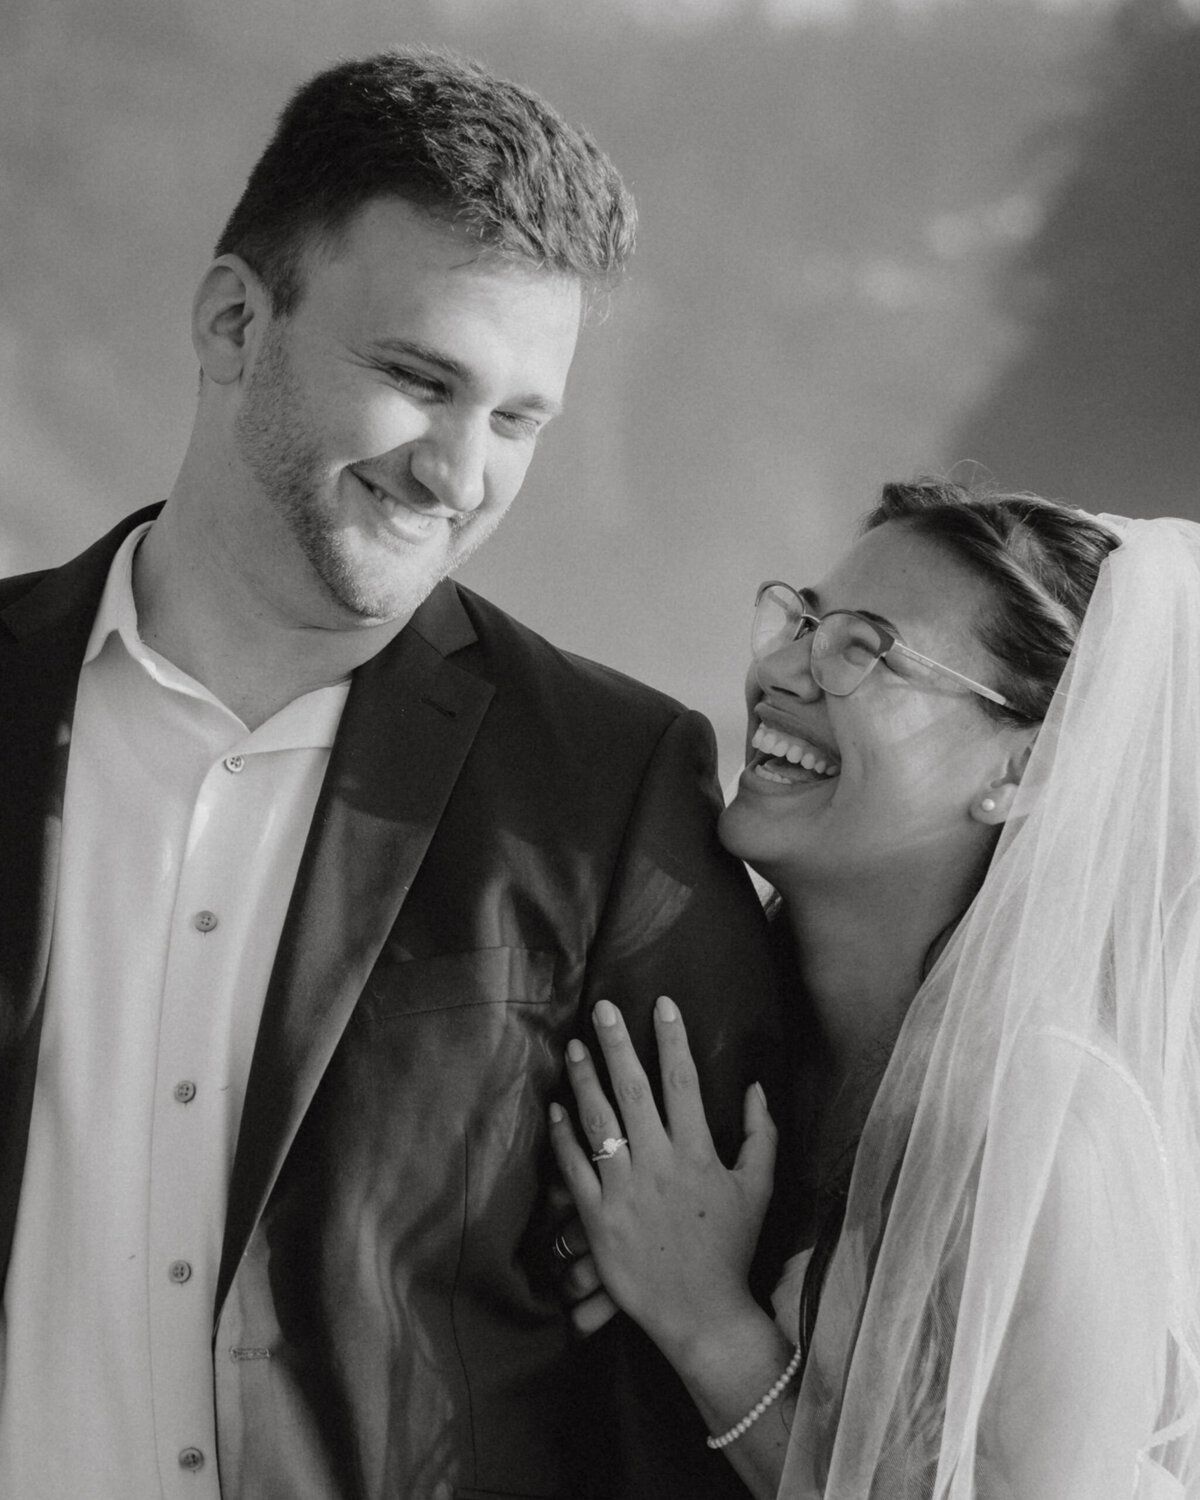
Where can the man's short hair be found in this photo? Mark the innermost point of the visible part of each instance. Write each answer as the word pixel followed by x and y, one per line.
pixel 441 133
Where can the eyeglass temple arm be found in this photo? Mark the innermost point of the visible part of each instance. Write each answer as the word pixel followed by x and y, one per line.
pixel 976 687
pixel 892 644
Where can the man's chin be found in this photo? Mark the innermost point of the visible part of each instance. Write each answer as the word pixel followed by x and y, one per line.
pixel 378 590
pixel 362 611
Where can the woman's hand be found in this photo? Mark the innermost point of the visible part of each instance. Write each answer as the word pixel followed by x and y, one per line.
pixel 671 1229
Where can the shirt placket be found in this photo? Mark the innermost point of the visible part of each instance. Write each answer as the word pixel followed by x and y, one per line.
pixel 194 1127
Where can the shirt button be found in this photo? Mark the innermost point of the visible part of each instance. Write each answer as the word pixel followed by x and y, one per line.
pixel 191 1458
pixel 235 763
pixel 204 921
pixel 179 1271
pixel 184 1091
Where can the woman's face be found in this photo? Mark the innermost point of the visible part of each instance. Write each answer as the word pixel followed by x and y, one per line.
pixel 912 753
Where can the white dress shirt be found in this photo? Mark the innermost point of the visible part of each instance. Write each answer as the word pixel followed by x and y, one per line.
pixel 182 831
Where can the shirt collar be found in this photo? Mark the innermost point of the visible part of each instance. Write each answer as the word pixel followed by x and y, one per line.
pixel 310 720
pixel 117 610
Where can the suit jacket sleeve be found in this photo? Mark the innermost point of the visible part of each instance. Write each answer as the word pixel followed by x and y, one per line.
pixel 681 919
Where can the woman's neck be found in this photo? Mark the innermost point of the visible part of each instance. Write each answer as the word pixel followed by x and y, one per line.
pixel 864 947
pixel 861 952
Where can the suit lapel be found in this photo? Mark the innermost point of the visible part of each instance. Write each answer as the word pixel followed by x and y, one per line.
pixel 43 635
pixel 409 721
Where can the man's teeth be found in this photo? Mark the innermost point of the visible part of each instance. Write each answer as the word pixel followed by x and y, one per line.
pixel 793 749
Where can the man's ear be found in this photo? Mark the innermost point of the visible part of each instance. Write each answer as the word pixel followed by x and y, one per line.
pixel 993 803
pixel 229 313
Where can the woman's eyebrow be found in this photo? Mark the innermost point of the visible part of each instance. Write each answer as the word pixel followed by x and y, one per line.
pixel 869 614
pixel 813 600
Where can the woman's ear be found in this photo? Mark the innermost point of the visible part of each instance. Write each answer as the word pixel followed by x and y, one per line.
pixel 230 306
pixel 993 804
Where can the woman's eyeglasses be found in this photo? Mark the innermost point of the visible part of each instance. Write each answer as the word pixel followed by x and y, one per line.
pixel 845 644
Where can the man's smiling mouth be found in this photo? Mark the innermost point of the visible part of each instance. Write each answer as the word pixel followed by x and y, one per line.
pixel 409 518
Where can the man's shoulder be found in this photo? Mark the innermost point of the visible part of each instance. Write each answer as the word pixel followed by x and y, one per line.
pixel 17 585
pixel 518 653
pixel 59 592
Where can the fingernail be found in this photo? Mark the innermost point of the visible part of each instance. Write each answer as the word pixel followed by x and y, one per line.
pixel 576 1052
pixel 666 1009
pixel 556 1114
pixel 762 1097
pixel 605 1013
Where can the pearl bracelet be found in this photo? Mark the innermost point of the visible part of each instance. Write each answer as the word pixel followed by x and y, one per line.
pixel 759 1407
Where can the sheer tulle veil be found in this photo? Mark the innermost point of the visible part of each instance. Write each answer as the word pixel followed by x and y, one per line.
pixel 1013 1306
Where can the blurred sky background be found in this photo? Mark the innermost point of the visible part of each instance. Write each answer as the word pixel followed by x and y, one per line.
pixel 878 238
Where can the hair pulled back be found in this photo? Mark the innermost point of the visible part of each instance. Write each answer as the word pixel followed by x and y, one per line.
pixel 1040 561
pixel 437 131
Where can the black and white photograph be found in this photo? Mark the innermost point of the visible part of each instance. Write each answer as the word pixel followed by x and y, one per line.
pixel 691 993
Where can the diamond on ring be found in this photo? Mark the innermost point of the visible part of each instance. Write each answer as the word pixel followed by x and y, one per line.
pixel 609 1147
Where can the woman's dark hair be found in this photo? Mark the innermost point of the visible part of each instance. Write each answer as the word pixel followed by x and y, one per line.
pixel 1040 560
pixel 437 131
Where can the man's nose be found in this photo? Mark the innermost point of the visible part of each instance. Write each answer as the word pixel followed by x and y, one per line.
pixel 449 460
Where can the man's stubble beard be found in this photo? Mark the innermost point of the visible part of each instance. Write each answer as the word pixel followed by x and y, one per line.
pixel 274 442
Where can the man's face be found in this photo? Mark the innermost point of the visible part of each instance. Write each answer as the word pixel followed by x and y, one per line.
pixel 386 425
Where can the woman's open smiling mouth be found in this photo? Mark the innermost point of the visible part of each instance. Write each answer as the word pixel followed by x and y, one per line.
pixel 790 758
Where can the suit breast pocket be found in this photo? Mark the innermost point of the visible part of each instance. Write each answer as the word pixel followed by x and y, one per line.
pixel 451 981
pixel 452 1050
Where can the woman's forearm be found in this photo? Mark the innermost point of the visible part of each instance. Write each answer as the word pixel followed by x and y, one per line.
pixel 672 1230
pixel 728 1367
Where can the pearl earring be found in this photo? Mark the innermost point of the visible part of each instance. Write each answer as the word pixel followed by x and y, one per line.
pixel 988 804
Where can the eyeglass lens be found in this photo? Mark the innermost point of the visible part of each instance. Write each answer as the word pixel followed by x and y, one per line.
pixel 844 647
pixel 844 650
pixel 777 621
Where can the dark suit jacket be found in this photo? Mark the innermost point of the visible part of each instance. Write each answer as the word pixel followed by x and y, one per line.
pixel 505 834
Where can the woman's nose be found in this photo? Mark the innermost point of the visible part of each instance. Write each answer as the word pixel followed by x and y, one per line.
pixel 789 670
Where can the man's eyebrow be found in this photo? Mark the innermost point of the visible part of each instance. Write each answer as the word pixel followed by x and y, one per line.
pixel 428 355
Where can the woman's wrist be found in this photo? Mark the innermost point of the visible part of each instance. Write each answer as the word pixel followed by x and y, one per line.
pixel 773 1393
pixel 736 1330
pixel 735 1369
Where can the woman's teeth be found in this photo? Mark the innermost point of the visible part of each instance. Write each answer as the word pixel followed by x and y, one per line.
pixel 795 751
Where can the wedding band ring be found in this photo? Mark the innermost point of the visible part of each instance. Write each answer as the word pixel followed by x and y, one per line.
pixel 609 1147
pixel 562 1249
